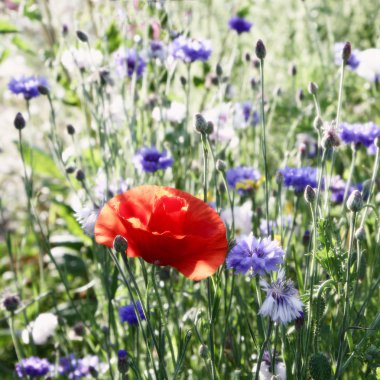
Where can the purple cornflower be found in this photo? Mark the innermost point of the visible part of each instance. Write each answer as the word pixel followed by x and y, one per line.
pixel 73 368
pixel 32 367
pixel 359 133
pixel 239 24
pixel 337 188
pixel 299 178
pixel 28 86
pixel 150 160
pixel 129 62
pixel 243 179
pixel 128 314
pixel 353 62
pixel 190 49
pixel 282 303
pixel 157 50
pixel 260 256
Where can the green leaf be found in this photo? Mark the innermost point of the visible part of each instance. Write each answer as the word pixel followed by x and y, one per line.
pixel 6 27
pixel 22 45
pixel 41 163
pixel 113 37
pixel 243 12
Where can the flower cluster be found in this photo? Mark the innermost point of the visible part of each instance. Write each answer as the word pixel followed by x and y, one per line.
pixel 299 178
pixel 190 49
pixel 73 368
pixel 259 256
pixel 243 179
pixel 151 160
pixel 27 86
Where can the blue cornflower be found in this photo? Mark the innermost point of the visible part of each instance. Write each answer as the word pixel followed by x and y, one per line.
pixel 282 303
pixel 243 179
pixel 359 133
pixel 32 367
pixel 299 178
pixel 353 62
pixel 129 62
pixel 128 314
pixel 190 49
pixel 150 160
pixel 239 24
pixel 28 86
pixel 157 50
pixel 260 256
pixel 249 113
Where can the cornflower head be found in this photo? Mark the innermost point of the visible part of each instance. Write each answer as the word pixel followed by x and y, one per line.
pixel 359 133
pixel 128 314
pixel 27 86
pixel 190 49
pixel 299 178
pixel 243 179
pixel 151 160
pixel 32 367
pixel 240 24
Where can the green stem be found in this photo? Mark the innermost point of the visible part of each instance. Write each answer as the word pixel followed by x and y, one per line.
pixel 262 349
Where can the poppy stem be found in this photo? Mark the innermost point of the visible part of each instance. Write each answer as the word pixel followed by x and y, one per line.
pixel 129 287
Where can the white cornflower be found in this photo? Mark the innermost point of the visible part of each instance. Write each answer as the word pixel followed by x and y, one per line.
pixel 243 218
pixel 74 59
pixel 175 113
pixel 369 65
pixel 282 303
pixel 87 216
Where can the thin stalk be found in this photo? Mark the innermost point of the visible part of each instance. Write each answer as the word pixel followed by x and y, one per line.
pixel 264 146
pixel 262 349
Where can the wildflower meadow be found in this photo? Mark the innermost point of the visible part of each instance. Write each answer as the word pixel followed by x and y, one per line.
pixel 189 189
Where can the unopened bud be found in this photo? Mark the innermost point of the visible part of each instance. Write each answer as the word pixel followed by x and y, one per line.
pixel 70 169
pixel 360 233
pixel 70 129
pixel 203 351
pixel 80 176
pixel 19 121
pixel 355 201
pixel 279 178
pixel 346 52
pixel 209 128
pixel 122 362
pixel 11 303
pixel 183 80
pixel 318 123
pixel 300 95
pixel 293 70
pixel 312 88
pixel 261 52
pixel 221 165
pixel 82 36
pixel 43 90
pixel 377 141
pixel 120 244
pixel 309 194
pixel 200 123
pixel 219 70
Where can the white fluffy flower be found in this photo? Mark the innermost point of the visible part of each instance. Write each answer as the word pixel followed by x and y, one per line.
pixel 266 374
pixel 243 218
pixel 85 58
pixel 369 64
pixel 41 329
pixel 175 113
pixel 87 216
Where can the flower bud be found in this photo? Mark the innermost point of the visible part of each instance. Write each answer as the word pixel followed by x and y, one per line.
pixel 200 123
pixel 43 90
pixel 120 244
pixel 221 165
pixel 346 52
pixel 309 194
pixel 360 233
pixel 65 30
pixel 11 303
pixel 293 70
pixel 70 129
pixel 377 141
pixel 19 121
pixel 79 329
pixel 219 70
pixel 300 95
pixel 82 36
pixel 203 351
pixel 279 178
pixel 318 123
pixel 355 201
pixel 260 50
pixel 312 88
pixel 80 176
pixel 209 128
pixel 70 169
pixel 183 80
pixel 122 362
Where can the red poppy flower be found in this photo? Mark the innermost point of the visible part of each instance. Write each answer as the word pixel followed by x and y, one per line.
pixel 165 226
